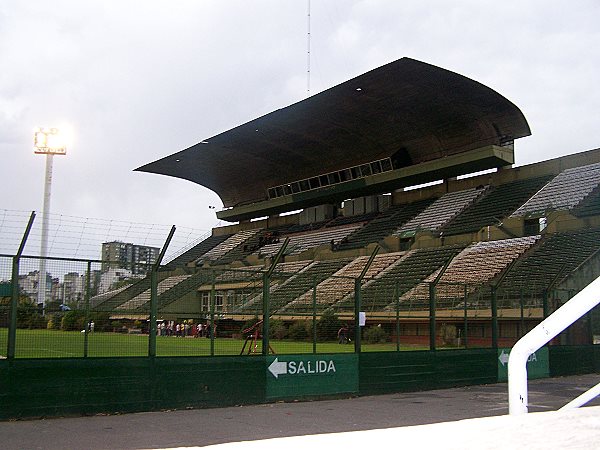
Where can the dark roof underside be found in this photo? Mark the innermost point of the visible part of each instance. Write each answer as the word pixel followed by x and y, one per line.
pixel 423 110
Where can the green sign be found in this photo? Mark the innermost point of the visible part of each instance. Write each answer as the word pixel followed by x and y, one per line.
pixel 537 364
pixel 296 376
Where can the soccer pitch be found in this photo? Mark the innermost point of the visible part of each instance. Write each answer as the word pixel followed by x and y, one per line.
pixel 73 344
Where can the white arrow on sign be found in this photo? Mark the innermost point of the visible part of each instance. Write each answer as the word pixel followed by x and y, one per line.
pixel 503 358
pixel 278 368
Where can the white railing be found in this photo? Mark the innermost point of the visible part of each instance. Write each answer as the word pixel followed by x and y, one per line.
pixel 562 318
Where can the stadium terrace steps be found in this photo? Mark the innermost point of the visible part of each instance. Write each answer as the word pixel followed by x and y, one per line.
pixel 196 251
pixel 384 224
pixel 440 212
pixel 497 203
pixel 121 296
pixel 254 273
pixel 310 239
pixel 564 192
pixel 306 227
pixel 144 297
pixel 241 250
pixel 228 245
pixel 408 270
pixel 476 265
pixel 189 284
pixel 340 284
pixel 345 220
pixel 295 285
pixel 555 256
pixel 97 300
pixel 590 205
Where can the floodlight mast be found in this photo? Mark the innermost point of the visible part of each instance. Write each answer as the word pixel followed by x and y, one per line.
pixel 49 142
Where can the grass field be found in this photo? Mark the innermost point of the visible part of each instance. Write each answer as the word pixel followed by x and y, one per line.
pixel 71 344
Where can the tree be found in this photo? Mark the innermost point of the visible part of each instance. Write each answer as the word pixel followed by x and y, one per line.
pixel 73 320
pixel 328 326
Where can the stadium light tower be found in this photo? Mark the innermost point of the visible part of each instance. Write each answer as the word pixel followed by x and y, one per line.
pixel 49 142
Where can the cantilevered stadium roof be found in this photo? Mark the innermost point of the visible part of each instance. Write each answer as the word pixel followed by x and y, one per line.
pixel 426 121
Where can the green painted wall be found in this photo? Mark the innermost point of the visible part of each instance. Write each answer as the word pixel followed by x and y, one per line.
pixel 37 388
pixel 57 387
pixel 382 373
pixel 574 359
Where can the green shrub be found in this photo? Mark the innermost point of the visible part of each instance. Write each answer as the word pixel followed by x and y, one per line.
pixel 54 321
pixel 375 335
pixel 298 330
pixel 277 329
pixel 328 326
pixel 29 316
pixel 101 321
pixel 73 320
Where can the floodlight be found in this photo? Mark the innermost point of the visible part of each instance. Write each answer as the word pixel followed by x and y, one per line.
pixel 49 141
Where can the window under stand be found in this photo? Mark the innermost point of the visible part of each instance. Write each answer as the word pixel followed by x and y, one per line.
pixel 332 178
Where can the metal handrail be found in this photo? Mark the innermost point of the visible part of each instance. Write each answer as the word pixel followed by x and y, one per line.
pixel 554 324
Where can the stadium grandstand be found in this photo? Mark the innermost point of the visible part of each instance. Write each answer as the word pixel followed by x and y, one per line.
pixel 336 178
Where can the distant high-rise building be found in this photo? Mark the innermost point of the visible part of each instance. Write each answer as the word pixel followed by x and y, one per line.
pixel 136 258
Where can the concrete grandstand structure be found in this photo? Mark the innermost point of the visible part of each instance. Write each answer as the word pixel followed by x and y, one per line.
pixel 502 249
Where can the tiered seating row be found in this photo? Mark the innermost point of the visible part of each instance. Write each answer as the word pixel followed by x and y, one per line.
pixel 492 207
pixel 97 300
pixel 556 256
pixel 198 250
pixel 144 297
pixel 345 220
pixel 406 273
pixel 296 285
pixel 254 272
pixel 227 245
pixel 442 210
pixel 121 296
pixel 302 242
pixel 480 262
pixel 590 205
pixel 341 283
pixel 476 265
pixel 384 225
pixel 564 192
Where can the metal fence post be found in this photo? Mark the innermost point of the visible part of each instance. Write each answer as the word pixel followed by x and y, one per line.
pixel 153 312
pixel 494 317
pixel 397 299
pixel 466 324
pixel 266 297
pixel 357 302
pixel 314 311
pixel 14 300
pixel 14 303
pixel 522 313
pixel 154 295
pixel 211 330
pixel 432 344
pixel 266 313
pixel 87 308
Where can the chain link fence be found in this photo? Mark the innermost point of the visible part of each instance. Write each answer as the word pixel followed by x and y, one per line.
pixel 84 307
pixel 219 312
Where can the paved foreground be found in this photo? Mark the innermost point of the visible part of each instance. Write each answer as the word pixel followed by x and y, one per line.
pixel 192 428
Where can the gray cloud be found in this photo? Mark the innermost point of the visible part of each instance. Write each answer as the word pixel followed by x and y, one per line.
pixel 141 80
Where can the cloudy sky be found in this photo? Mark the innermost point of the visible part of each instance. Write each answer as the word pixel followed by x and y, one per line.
pixel 138 80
